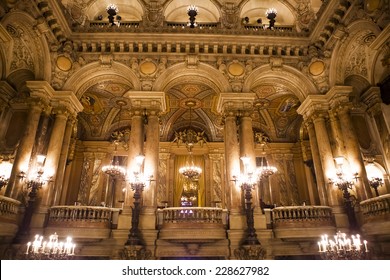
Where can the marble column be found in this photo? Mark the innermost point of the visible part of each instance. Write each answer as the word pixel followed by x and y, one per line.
pixel 321 183
pixel 353 153
pixel 232 154
pixel 23 154
pixel 247 148
pixel 325 151
pixel 151 159
pixel 136 147
pixel 54 153
pixel 339 144
pixel 60 191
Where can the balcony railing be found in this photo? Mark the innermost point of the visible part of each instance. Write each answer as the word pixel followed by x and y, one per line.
pixel 75 219
pixel 192 224
pixel 8 209
pixel 300 221
pixel 376 209
pixel 8 217
pixel 204 215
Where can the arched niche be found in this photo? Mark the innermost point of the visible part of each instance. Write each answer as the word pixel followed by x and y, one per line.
pixel 176 11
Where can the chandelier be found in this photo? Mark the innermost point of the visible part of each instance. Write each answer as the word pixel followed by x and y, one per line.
pixel 114 169
pixel 40 249
pixel 342 247
pixel 190 171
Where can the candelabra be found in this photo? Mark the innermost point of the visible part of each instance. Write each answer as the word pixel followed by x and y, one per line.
pixel 271 15
pixel 137 184
pixel 342 247
pixel 345 184
pixel 375 183
pixel 192 12
pixel 33 186
pixel 112 11
pixel 248 182
pixel 50 250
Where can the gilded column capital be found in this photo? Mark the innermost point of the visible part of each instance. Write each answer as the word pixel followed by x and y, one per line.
pixel 338 96
pixel 372 98
pixel 66 100
pixel 147 100
pixel 236 102
pixel 313 106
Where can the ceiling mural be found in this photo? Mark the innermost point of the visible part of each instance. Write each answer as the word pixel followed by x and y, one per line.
pixel 276 114
pixel 96 119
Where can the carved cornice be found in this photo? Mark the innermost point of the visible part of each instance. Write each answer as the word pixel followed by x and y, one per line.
pixel 147 100
pixel 68 100
pixel 228 101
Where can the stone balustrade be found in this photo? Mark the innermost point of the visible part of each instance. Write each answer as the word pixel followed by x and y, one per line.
pixel 301 213
pixel 83 216
pixel 192 224
pixel 209 215
pixel 9 217
pixel 300 221
pixel 8 208
pixel 376 209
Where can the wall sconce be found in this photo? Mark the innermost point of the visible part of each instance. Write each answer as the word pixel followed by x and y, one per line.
pixel 5 172
pixel 375 175
pixel 345 183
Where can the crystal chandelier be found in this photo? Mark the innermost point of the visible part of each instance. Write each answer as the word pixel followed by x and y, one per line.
pixel 342 247
pixel 190 171
pixel 114 169
pixel 40 249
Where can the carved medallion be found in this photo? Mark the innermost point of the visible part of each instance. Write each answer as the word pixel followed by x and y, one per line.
pixel 148 67
pixel 317 68
pixel 236 69
pixel 64 63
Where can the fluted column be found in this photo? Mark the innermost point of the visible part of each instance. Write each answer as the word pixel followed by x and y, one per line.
pixel 54 152
pixel 377 119
pixel 136 147
pixel 232 155
pixel 152 158
pixel 26 144
pixel 353 152
pixel 321 183
pixel 247 147
pixel 337 138
pixel 325 151
pixel 60 191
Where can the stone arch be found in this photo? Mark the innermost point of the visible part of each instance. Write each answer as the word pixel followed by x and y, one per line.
pixel 175 74
pixel 286 75
pixel 92 73
pixel 353 56
pixel 359 85
pixel 203 74
pixel 27 50
pixel 175 10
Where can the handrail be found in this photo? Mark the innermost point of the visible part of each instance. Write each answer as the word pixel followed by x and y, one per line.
pixel 8 206
pixel 210 215
pixel 376 206
pixel 66 213
pixel 288 213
